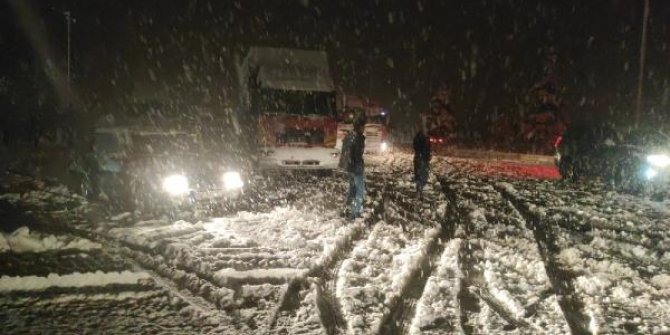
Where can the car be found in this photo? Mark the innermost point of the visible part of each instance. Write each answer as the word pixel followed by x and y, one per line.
pixel 160 169
pixel 632 160
pixel 439 136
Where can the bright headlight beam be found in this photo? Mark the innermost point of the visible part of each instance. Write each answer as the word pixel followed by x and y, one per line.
pixel 383 147
pixel 175 184
pixel 650 173
pixel 660 161
pixel 232 180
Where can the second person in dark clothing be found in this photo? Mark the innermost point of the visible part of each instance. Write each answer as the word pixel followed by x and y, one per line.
pixel 421 145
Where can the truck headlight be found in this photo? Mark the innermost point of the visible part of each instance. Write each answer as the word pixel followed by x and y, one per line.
pixel 232 180
pixel 383 147
pixel 175 184
pixel 660 161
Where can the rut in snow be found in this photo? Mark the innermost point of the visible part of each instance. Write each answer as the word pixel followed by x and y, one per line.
pixel 112 257
pixel 404 310
pixel 475 295
pixel 467 301
pixel 561 278
pixel 141 258
pixel 327 303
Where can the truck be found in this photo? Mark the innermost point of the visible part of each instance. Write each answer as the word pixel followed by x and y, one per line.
pixel 289 99
pixel 376 126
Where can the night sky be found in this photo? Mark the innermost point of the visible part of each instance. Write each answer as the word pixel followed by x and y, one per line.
pixel 489 53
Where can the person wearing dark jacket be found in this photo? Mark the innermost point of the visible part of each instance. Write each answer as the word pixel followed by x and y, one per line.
pixel 421 145
pixel 355 169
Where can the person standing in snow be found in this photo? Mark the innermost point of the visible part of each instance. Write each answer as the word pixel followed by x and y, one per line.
pixel 421 145
pixel 351 161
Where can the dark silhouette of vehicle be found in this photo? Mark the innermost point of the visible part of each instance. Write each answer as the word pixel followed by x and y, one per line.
pixel 632 160
pixel 153 167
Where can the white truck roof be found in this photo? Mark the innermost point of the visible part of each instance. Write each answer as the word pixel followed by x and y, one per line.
pixel 291 69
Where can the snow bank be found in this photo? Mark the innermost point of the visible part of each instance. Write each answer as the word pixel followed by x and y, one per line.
pixel 99 278
pixel 120 296
pixel 274 273
pixel 23 240
pixel 43 196
pixel 4 244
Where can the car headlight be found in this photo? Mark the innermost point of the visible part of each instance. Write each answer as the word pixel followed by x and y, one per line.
pixel 383 147
pixel 175 184
pixel 650 173
pixel 660 161
pixel 232 180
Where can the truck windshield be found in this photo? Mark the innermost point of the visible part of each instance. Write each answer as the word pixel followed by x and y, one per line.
pixel 349 115
pixel 297 102
pixel 165 144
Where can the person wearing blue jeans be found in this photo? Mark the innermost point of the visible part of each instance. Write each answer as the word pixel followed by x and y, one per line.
pixel 353 163
pixel 356 194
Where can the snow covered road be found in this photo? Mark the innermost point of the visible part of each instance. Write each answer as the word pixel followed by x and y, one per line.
pixel 488 251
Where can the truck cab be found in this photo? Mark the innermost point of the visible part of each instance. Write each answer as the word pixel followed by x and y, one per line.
pixel 290 98
pixel 376 125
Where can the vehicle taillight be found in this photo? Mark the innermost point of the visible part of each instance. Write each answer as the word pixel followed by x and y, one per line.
pixel 557 141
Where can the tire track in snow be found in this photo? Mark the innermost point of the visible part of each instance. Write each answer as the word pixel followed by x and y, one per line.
pixel 401 201
pixel 562 279
pixel 112 249
pixel 326 275
pixel 141 259
pixel 470 303
pixel 390 203
pixel 399 319
pixel 437 311
pixel 328 305
pixel 467 303
pixel 485 293
pixel 327 302
pixel 622 283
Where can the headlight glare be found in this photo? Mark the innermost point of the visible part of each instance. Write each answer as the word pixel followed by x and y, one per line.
pixel 232 180
pixel 650 173
pixel 175 184
pixel 383 147
pixel 660 161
